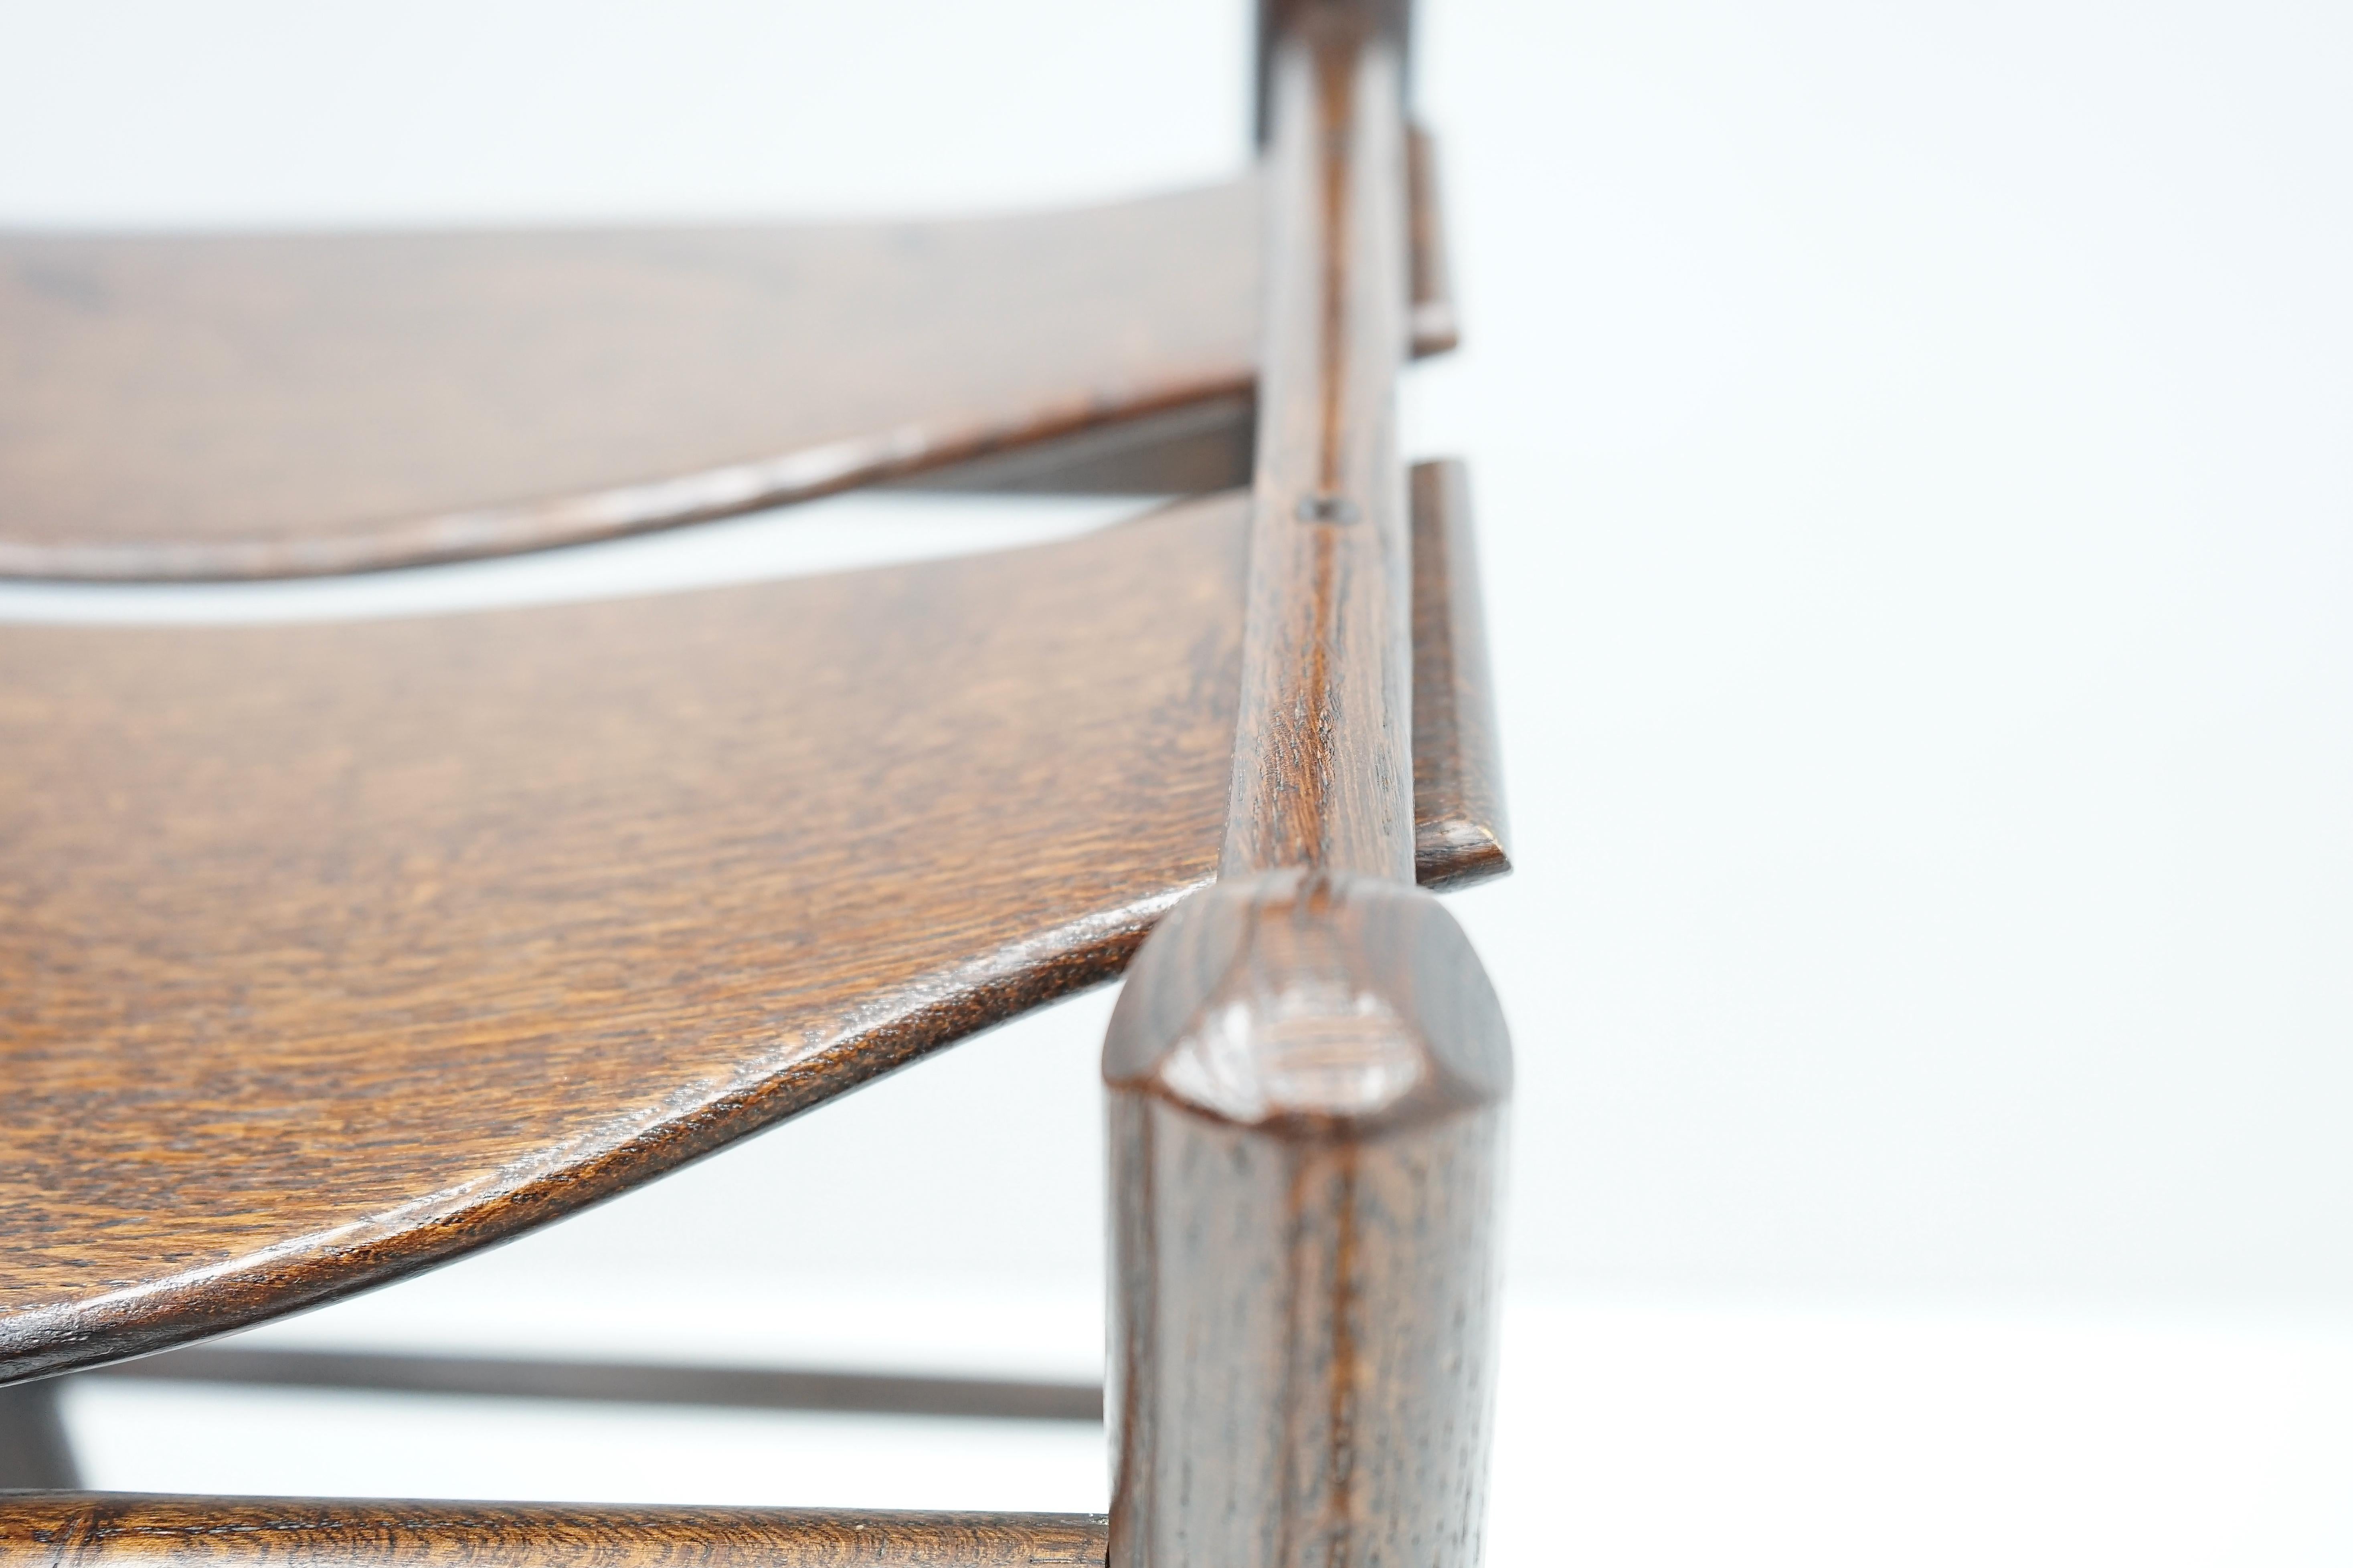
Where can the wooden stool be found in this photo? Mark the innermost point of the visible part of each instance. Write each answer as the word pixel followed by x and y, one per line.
pixel 333 951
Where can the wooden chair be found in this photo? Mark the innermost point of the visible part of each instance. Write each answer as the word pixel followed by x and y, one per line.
pixel 333 951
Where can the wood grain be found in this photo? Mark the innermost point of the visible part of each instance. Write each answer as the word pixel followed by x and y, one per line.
pixel 53 1530
pixel 1458 774
pixel 1308 1076
pixel 328 952
pixel 1437 323
pixel 251 406
pixel 1323 750
pixel 236 405
pixel 331 951
pixel 1308 1070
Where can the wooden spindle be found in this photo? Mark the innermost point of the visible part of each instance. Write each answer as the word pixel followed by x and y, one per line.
pixel 1308 1068
pixel 1323 752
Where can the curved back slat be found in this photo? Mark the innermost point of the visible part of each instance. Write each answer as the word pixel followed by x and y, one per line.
pixel 256 405
pixel 331 951
pixel 328 952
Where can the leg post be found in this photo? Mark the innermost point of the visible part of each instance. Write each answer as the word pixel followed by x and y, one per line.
pixel 1307 1079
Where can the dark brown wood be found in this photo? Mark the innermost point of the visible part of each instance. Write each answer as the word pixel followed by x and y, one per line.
pixel 1457 777
pixel 235 406
pixel 1437 325
pixel 127 1531
pixel 1322 751
pixel 630 1382
pixel 1307 1076
pixel 328 951
pixel 197 406
pixel 331 951
pixel 1308 1070
pixel 35 1449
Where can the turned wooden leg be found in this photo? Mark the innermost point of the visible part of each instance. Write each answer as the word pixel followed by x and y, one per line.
pixel 1307 1078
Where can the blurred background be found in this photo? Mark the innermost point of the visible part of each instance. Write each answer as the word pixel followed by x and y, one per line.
pixel 1910 448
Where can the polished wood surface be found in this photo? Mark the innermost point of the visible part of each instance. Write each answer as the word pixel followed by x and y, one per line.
pixel 1437 326
pixel 1458 773
pixel 328 951
pixel 1308 1070
pixel 1323 749
pixel 1307 1079
pixel 225 406
pixel 53 1529
pixel 605 1382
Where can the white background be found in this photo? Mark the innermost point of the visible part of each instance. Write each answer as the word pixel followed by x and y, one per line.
pixel 1914 452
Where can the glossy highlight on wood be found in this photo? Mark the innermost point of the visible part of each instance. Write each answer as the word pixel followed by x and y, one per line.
pixel 1308 1076
pixel 251 406
pixel 1323 752
pixel 98 1530
pixel 1308 1071
pixel 1458 773
pixel 328 952
pixel 261 406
